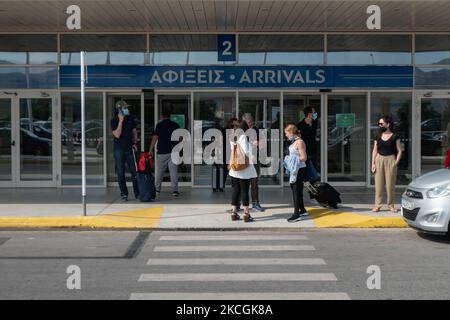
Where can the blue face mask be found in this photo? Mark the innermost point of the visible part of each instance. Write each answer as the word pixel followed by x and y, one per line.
pixel 315 116
pixel 125 112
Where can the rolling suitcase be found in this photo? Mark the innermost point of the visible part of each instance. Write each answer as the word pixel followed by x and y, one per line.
pixel 218 182
pixel 146 184
pixel 324 194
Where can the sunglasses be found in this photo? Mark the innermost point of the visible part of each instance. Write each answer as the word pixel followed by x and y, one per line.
pixel 380 124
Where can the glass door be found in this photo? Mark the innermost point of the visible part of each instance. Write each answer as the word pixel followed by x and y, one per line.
pixel 35 140
pixel 293 107
pixel 347 138
pixel 179 107
pixel 6 143
pixel 214 110
pixel 435 133
pixel 265 110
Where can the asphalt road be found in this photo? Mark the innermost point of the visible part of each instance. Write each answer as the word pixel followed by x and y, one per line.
pixel 319 264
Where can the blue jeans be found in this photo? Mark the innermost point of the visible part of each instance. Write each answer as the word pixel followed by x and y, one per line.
pixel 122 157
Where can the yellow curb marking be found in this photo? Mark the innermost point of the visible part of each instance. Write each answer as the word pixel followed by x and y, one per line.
pixel 325 218
pixel 142 218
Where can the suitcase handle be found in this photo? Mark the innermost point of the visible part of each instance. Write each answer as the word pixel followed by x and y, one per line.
pixel 135 161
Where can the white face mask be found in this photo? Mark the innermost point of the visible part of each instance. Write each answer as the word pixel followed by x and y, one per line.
pixel 291 138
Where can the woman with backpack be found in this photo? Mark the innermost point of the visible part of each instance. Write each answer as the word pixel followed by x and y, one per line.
pixel 241 172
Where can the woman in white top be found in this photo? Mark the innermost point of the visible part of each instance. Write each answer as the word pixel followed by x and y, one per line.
pixel 241 178
pixel 297 149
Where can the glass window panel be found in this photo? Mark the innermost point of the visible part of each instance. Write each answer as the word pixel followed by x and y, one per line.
pixel 71 138
pixel 294 104
pixel 399 106
pixel 347 160
pixel 5 140
pixel 281 49
pixel 214 110
pixel 429 78
pixel 435 133
pixel 265 110
pixel 369 50
pixel 432 49
pixel 28 78
pixel 104 49
pixel 181 49
pixel 36 161
pixel 28 49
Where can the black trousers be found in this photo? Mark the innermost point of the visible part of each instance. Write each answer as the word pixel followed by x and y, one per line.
pixel 254 185
pixel 240 190
pixel 297 192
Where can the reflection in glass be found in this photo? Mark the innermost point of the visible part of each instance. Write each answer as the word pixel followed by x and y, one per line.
pixel 398 106
pixel 281 49
pixel 294 104
pixel 347 161
pixel 179 106
pixel 28 49
pixel 104 49
pixel 432 78
pixel 432 49
pixel 36 140
pixel 214 110
pixel 5 140
pixel 435 133
pixel 182 49
pixel 134 102
pixel 71 138
pixel 265 110
pixel 369 50
pixel 28 78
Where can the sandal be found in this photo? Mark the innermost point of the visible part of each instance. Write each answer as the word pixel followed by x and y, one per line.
pixel 393 210
pixel 235 216
pixel 247 217
pixel 376 209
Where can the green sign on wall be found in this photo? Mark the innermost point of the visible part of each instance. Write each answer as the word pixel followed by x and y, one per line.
pixel 345 120
pixel 178 118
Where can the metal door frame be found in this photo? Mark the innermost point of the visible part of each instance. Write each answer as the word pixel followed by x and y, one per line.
pixel 56 141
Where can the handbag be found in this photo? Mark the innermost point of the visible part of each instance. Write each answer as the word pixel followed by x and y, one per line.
pixel 239 160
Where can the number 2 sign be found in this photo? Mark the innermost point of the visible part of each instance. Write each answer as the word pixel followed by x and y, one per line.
pixel 226 47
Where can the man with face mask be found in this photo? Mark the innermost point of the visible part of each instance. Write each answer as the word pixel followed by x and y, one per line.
pixel 308 129
pixel 125 137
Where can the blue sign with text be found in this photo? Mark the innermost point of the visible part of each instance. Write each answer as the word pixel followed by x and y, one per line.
pixel 226 47
pixel 239 77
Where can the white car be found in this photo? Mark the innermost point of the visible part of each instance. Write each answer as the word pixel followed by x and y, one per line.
pixel 426 202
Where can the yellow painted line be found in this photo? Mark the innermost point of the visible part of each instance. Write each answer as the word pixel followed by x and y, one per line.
pixel 325 218
pixel 134 219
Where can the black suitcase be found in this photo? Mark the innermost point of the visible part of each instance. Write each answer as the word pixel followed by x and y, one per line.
pixel 217 181
pixel 146 184
pixel 324 194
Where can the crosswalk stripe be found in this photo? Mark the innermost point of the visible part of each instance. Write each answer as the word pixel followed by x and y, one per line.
pixel 227 261
pixel 241 296
pixel 224 277
pixel 232 237
pixel 233 248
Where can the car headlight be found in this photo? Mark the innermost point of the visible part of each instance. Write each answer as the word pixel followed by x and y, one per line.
pixel 439 191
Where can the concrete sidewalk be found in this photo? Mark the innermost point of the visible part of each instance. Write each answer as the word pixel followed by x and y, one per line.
pixel 196 208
